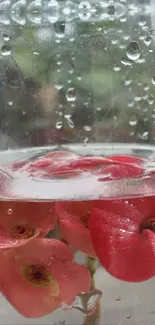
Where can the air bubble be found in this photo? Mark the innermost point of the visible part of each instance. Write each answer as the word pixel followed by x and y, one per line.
pixel 133 51
pixel 10 211
pixel 117 298
pixel 128 316
pixel 10 103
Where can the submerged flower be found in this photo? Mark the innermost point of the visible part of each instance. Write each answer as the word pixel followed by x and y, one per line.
pixel 73 223
pixel 58 163
pixel 122 159
pixel 120 171
pixel 21 222
pixel 38 277
pixel 123 235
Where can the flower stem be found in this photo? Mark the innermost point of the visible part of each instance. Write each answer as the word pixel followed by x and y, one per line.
pixel 92 265
pixel 94 317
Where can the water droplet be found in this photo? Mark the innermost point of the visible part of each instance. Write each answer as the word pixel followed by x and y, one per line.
pixel 35 53
pixel 126 61
pixel 58 86
pixel 84 5
pixel 151 99
pixel 5 37
pixel 71 71
pixel 131 104
pixel 85 141
pixel 53 11
pixel 117 298
pixel 59 125
pixel 69 121
pixel 128 82
pixel 146 87
pixel 153 80
pixel 137 98
pixel 114 41
pixel 10 211
pixel 87 128
pixel 133 51
pixel 128 316
pixel 71 95
pixel 133 121
pixel 6 50
pixel 117 69
pixel 147 41
pixel 145 135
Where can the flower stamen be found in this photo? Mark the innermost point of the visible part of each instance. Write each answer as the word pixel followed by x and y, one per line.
pixel 37 275
pixel 148 224
pixel 22 232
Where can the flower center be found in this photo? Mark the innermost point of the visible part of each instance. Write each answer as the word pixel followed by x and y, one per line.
pixel 85 218
pixel 148 224
pixel 22 232
pixel 37 275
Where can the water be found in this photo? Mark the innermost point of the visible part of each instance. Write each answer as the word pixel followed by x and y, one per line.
pixel 85 184
pixel 108 298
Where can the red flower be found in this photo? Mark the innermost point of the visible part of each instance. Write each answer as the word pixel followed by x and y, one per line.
pixel 121 171
pixel 61 162
pixel 73 224
pixel 21 222
pixel 122 159
pixel 38 277
pixel 123 234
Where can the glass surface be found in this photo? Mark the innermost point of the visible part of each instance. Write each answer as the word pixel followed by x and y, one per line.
pixel 77 162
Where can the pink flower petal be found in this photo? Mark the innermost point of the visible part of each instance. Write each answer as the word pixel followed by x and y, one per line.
pixel 73 279
pixel 125 253
pixel 35 301
pixel 77 236
pixel 127 159
pixel 73 210
pixel 121 171
pixel 124 209
pixel 7 241
pixel 26 215
pixel 44 250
